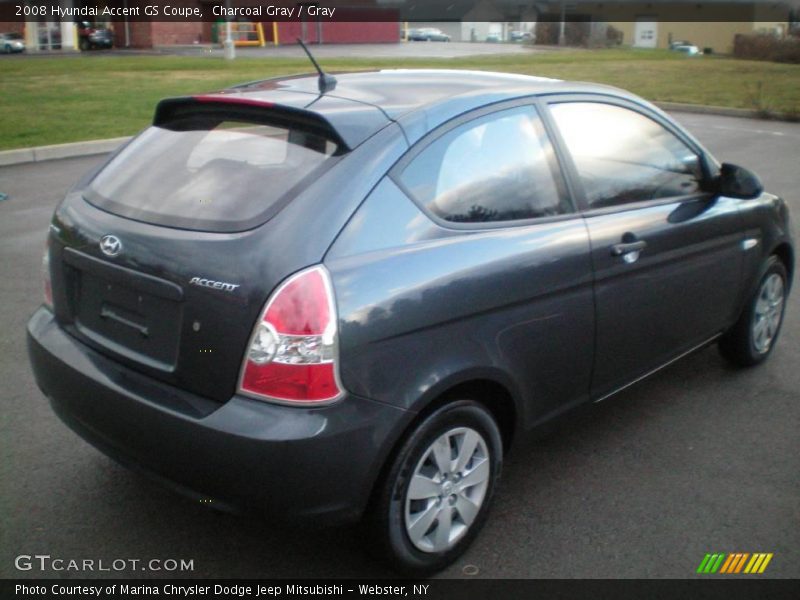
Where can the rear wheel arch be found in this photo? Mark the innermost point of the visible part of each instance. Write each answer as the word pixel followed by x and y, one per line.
pixel 484 406
pixel 492 395
pixel 489 393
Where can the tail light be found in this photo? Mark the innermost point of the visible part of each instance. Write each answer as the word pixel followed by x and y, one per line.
pixel 48 288
pixel 292 355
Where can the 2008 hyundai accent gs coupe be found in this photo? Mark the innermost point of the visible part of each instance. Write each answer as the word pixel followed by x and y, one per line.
pixel 345 299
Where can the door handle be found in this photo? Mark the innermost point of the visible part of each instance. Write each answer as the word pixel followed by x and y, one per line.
pixel 628 247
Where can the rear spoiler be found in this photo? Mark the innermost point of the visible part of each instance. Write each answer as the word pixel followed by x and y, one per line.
pixel 179 112
pixel 344 122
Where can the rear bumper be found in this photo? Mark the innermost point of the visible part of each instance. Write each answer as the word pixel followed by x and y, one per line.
pixel 243 455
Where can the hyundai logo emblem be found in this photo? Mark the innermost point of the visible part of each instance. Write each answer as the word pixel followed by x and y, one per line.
pixel 110 245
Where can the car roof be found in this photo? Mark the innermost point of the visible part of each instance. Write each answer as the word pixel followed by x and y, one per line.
pixel 364 102
pixel 399 91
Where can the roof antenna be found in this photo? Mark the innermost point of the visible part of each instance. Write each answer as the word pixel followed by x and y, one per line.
pixel 326 82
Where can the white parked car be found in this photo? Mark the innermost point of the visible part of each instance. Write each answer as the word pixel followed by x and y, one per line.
pixel 685 48
pixel 12 42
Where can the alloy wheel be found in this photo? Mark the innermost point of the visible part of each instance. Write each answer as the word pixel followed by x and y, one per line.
pixel 767 313
pixel 447 490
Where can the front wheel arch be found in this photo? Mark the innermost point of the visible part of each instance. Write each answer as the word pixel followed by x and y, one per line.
pixel 786 256
pixel 739 343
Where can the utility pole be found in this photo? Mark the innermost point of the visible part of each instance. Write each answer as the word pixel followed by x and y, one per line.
pixel 562 39
pixel 230 49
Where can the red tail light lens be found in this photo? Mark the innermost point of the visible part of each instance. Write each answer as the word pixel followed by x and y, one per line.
pixel 292 353
pixel 301 307
pixel 48 288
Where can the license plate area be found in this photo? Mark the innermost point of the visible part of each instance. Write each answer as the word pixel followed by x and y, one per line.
pixel 134 315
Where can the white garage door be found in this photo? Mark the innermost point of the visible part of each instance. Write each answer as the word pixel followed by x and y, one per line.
pixel 646 33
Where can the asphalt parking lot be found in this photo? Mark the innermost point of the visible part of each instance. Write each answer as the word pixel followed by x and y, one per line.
pixel 699 458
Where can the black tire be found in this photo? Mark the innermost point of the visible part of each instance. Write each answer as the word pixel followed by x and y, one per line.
pixel 739 344
pixel 459 420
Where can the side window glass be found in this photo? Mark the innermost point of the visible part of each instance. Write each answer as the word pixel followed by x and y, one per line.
pixel 500 167
pixel 622 156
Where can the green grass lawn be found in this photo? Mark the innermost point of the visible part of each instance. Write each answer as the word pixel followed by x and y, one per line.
pixel 66 99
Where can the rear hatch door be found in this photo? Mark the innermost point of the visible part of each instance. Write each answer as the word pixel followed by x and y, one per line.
pixel 164 258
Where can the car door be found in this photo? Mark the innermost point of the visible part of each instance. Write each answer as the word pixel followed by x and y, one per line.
pixel 666 254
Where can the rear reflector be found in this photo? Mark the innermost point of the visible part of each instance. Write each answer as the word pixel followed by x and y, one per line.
pixel 292 353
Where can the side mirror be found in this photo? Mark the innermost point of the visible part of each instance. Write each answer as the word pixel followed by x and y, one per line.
pixel 738 182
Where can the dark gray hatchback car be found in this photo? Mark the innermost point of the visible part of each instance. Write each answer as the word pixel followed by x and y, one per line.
pixel 348 303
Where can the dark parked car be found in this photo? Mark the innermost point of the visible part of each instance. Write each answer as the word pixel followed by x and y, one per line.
pixel 351 303
pixel 91 37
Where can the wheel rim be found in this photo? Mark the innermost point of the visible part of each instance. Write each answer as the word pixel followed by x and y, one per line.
pixel 447 490
pixel 768 313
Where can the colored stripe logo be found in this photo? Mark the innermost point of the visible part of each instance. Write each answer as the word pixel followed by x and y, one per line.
pixel 736 562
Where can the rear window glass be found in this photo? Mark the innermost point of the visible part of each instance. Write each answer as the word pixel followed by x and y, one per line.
pixel 210 175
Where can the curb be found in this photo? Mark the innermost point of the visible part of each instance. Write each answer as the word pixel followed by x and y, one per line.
pixel 42 153
pixel 90 148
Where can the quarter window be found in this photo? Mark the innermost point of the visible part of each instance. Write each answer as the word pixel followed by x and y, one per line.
pixel 623 156
pixel 500 167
